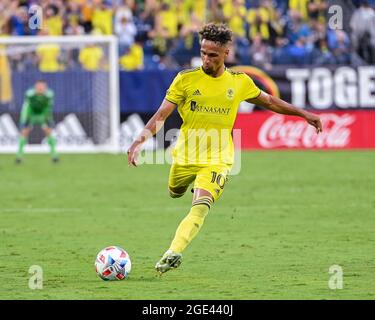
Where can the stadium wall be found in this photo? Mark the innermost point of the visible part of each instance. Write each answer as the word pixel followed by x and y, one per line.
pixel 320 88
pixel 345 96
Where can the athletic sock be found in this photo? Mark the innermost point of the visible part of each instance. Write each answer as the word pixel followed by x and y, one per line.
pixel 189 227
pixel 52 143
pixel 21 145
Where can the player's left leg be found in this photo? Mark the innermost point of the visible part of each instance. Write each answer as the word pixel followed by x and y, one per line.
pixel 186 231
pixel 208 187
pixel 192 223
pixel 47 128
pixel 25 131
pixel 180 177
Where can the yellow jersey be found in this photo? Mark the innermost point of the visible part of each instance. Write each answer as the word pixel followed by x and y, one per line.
pixel 208 107
pixel 90 58
pixel 49 56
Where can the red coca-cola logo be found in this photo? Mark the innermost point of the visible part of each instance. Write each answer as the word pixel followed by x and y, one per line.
pixel 278 131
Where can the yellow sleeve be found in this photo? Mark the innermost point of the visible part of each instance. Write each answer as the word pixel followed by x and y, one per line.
pixel 176 93
pixel 249 89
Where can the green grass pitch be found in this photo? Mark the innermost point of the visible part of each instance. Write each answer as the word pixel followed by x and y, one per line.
pixel 278 228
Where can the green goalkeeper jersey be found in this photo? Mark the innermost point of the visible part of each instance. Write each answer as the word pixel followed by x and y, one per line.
pixel 37 105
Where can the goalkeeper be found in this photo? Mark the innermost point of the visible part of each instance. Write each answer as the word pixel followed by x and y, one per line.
pixel 37 110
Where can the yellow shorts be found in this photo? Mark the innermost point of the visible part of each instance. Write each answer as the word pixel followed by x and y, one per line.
pixel 211 178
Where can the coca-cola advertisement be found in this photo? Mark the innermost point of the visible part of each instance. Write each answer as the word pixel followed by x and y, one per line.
pixel 341 130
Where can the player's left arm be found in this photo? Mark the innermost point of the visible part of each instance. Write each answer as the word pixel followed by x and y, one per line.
pixel 51 101
pixel 25 110
pixel 280 106
pixel 152 127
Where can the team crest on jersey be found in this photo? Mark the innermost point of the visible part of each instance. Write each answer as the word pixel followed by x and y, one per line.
pixel 230 93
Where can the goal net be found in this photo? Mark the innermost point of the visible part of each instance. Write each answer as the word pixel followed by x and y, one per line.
pixel 82 71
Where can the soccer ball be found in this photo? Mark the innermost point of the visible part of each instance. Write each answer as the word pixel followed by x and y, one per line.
pixel 113 263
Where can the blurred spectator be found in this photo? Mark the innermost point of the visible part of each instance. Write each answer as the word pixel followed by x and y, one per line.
pixel 133 60
pixel 198 8
pixel 301 6
pixel 124 10
pixel 260 53
pixel 167 22
pixel 167 31
pixel 48 56
pixel 362 25
pixel 74 28
pixel 276 21
pixel 145 21
pixel 258 19
pixel 74 19
pixel 182 10
pixel 53 21
pixel 217 11
pixel 187 45
pixel 102 16
pixel 125 30
pixel 298 52
pixel 87 11
pixel 339 45
pixel 323 56
pixel 235 14
pixel 19 22
pixel 297 29
pixel 317 10
pixel 5 70
pixel 91 57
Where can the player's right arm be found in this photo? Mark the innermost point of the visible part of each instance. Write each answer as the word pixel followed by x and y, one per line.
pixel 175 96
pixel 25 111
pixel 151 128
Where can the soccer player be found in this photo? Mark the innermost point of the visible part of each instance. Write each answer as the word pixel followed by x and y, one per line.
pixel 37 110
pixel 207 99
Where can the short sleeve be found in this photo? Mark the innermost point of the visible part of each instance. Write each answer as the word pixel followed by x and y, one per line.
pixel 176 93
pixel 249 89
pixel 28 94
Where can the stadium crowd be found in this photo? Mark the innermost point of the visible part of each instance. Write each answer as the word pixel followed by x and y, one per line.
pixel 159 34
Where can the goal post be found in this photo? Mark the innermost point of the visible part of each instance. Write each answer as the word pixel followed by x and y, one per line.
pixel 83 73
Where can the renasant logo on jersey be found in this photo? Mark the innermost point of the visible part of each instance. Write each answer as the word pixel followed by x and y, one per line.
pixel 215 110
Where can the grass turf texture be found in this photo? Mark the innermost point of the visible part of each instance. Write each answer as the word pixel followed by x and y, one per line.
pixel 279 226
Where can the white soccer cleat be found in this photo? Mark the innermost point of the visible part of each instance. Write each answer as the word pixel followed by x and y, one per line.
pixel 170 260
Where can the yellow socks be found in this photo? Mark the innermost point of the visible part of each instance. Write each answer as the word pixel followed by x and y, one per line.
pixel 189 227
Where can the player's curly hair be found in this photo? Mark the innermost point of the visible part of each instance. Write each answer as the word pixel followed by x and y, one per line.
pixel 219 33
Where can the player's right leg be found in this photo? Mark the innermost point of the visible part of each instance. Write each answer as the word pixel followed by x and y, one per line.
pixel 180 177
pixel 186 231
pixel 25 131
